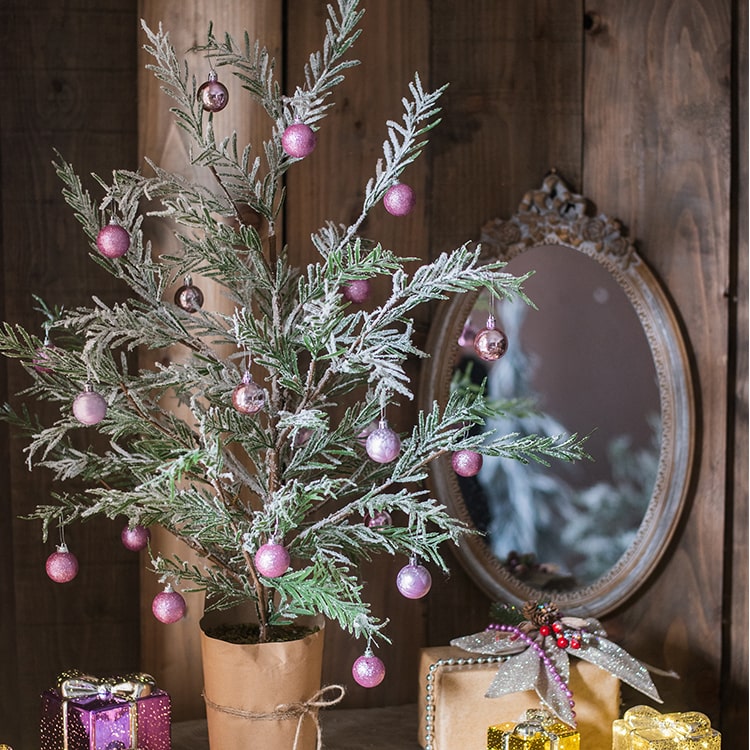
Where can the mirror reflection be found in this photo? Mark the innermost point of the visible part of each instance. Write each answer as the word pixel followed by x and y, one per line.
pixel 579 362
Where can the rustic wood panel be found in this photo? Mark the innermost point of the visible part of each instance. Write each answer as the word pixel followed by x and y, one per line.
pixel 172 652
pixel 330 185
pixel 67 83
pixel 657 155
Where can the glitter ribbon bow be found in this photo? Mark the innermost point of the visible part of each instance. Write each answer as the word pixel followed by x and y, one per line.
pixel 78 686
pixel 538 642
pixel 646 724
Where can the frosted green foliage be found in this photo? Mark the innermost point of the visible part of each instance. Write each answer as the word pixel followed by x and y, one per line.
pixel 296 472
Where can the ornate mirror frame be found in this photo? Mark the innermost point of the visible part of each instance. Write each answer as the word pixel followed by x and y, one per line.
pixel 553 215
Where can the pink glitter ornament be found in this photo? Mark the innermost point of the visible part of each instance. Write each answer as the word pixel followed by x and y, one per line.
pixel 414 580
pixel 368 670
pixel 490 343
pixel 89 407
pixel 41 361
pixel 357 291
pixel 189 297
pixel 299 140
pixel 467 463
pixel 272 560
pixel 399 199
pixel 378 519
pixel 213 95
pixel 135 538
pixel 113 240
pixel 168 606
pixel 62 566
pixel 383 444
pixel 248 397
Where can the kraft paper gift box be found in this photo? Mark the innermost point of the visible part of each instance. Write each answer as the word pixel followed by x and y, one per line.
pixel 90 713
pixel 452 687
pixel 644 728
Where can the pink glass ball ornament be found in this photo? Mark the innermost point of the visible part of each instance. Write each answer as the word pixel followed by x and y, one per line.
pixel 272 560
pixel 89 407
pixel 357 291
pixel 189 297
pixel 383 444
pixel 135 538
pixel 248 397
pixel 168 606
pixel 413 580
pixel 298 140
pixel 213 95
pixel 113 240
pixel 41 360
pixel 399 199
pixel 467 463
pixel 368 670
pixel 490 343
pixel 62 566
pixel 378 519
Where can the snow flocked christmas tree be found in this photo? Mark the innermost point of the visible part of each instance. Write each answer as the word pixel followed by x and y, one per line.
pixel 279 498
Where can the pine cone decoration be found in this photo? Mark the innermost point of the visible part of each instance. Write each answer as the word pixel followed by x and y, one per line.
pixel 540 613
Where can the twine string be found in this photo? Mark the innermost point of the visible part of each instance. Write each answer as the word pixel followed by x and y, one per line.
pixel 285 711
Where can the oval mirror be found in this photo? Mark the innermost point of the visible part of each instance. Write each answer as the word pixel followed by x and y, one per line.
pixel 600 353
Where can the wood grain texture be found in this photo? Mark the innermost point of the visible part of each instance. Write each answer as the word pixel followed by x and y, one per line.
pixel 67 82
pixel 656 155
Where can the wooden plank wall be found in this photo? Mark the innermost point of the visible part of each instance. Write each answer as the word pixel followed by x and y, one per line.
pixel 68 83
pixel 632 103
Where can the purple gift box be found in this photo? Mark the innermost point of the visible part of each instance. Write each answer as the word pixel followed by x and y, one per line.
pixel 114 713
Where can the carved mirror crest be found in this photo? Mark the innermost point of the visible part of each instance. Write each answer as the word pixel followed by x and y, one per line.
pixel 601 353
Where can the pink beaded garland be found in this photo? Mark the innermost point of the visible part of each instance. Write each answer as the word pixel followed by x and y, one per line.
pixel 414 580
pixel 135 538
pixel 272 560
pixel 399 199
pixel 168 606
pixel 467 463
pixel 113 240
pixel 368 670
pixel 383 444
pixel 298 140
pixel 89 407
pixel 62 566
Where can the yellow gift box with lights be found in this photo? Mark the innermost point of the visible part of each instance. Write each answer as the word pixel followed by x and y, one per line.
pixel 644 728
pixel 538 730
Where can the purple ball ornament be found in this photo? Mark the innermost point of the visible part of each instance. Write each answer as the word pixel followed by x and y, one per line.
pixel 414 580
pixel 113 240
pixel 213 95
pixel 135 538
pixel 357 291
pixel 368 670
pixel 490 343
pixel 399 199
pixel 89 407
pixel 248 397
pixel 189 297
pixel 383 444
pixel 298 140
pixel 378 519
pixel 272 560
pixel 62 566
pixel 168 606
pixel 41 360
pixel 467 463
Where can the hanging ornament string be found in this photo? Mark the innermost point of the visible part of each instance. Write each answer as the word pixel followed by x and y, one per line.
pixel 287 711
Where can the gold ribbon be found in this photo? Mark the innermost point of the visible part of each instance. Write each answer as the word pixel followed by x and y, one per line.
pixel 285 711
pixel 678 726
pixel 77 686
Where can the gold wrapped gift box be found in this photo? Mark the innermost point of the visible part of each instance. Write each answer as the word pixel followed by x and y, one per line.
pixel 644 728
pixel 538 730
pixel 454 713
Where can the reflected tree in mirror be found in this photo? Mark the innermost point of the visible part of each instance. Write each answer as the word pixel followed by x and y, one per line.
pixel 600 353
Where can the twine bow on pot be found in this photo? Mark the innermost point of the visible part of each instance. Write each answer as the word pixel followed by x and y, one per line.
pixel 285 711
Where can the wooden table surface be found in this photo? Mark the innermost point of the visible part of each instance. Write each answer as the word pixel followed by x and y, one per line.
pixel 390 728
